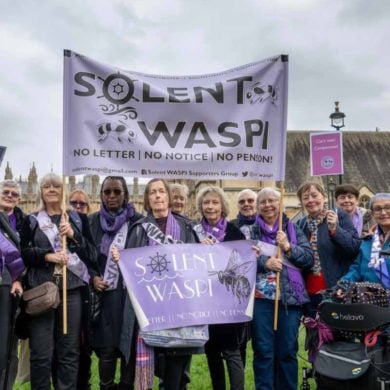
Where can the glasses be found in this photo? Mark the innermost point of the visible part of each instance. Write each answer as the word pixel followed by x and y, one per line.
pixel 269 201
pixel 12 194
pixel 115 191
pixel 250 201
pixel 378 209
pixel 75 203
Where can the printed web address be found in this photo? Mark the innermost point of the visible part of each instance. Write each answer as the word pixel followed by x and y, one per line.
pixel 106 170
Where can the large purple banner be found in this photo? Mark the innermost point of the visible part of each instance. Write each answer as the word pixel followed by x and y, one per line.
pixel 190 284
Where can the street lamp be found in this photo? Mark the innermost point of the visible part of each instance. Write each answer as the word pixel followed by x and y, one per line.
pixel 337 118
pixel 337 121
pixel 331 190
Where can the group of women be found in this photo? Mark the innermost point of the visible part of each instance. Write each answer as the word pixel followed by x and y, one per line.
pixel 307 257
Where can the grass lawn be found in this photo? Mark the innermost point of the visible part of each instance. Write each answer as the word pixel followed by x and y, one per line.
pixel 200 378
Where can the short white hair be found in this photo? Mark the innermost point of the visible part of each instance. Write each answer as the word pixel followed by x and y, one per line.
pixel 247 191
pixel 267 191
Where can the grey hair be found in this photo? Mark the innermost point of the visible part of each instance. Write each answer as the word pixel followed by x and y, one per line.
pixel 181 188
pixel 11 184
pixel 380 195
pixel 215 190
pixel 266 191
pixel 49 178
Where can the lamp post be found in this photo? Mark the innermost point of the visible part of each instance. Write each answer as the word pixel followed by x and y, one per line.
pixel 337 121
pixel 331 189
pixel 337 117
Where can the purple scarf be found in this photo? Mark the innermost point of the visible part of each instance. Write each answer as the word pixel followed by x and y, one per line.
pixel 111 223
pixel 10 258
pixel 172 229
pixel 218 231
pixel 269 235
pixel 357 220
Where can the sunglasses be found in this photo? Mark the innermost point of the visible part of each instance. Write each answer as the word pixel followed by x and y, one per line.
pixel 115 191
pixel 10 193
pixel 75 203
pixel 250 201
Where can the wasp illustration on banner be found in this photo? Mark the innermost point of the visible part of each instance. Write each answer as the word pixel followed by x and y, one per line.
pixel 234 276
pixel 117 131
pixel 260 92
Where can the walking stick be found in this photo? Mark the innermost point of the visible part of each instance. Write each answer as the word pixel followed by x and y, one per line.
pixel 11 337
pixel 64 284
pixel 279 255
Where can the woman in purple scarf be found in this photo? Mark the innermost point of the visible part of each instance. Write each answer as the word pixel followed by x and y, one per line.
pixel 11 269
pixel 109 228
pixel 225 339
pixel 159 227
pixel 275 352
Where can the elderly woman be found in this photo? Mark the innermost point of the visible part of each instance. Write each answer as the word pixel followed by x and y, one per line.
pixel 246 217
pixel 179 196
pixel 275 352
pixel 347 199
pixel 109 228
pixel 373 261
pixel 9 198
pixel 170 362
pixel 333 239
pixel 44 256
pixel 11 269
pixel 225 339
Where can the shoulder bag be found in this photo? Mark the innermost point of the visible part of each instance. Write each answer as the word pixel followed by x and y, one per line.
pixel 42 298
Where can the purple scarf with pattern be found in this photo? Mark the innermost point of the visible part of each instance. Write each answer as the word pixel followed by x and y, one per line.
pixel 111 223
pixel 218 231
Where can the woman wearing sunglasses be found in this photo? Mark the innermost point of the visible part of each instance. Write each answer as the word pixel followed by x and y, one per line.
pixel 79 201
pixel 109 228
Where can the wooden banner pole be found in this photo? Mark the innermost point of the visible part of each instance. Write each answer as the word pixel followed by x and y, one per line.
pixel 279 255
pixel 64 247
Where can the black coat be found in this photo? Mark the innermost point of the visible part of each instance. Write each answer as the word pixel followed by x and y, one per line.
pixel 228 335
pixel 35 245
pixel 106 331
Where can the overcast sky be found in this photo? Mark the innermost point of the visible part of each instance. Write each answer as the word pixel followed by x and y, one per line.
pixel 338 50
